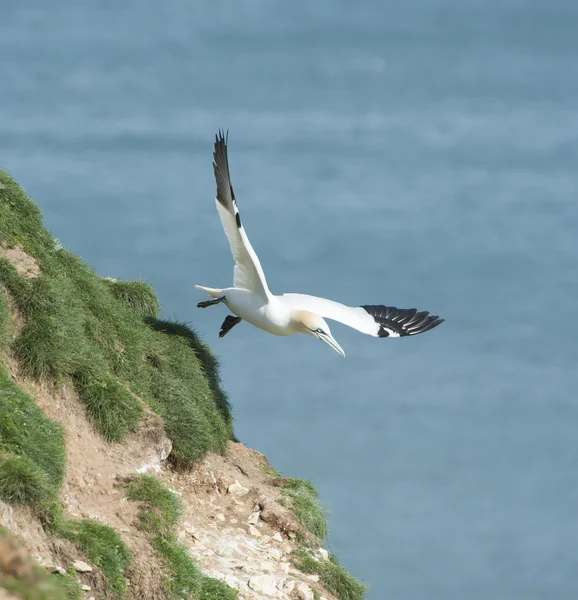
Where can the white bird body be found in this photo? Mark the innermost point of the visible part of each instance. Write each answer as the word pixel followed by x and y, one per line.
pixel 268 314
pixel 251 300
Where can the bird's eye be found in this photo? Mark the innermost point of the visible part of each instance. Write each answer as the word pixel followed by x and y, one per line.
pixel 319 330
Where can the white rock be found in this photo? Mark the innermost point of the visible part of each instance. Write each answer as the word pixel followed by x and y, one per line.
pixel 289 585
pixel 277 537
pixel 275 553
pixel 254 518
pixel 221 517
pixel 304 592
pixel 323 553
pixel 81 566
pixel 85 588
pixel 264 584
pixel 285 566
pixel 237 489
pixel 313 577
pixel 59 570
pixel 254 531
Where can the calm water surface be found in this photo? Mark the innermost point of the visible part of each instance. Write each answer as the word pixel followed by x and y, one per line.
pixel 412 153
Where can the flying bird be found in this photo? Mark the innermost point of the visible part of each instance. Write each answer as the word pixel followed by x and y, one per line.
pixel 251 300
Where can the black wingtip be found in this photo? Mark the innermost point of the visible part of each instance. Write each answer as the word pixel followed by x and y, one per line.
pixel 221 137
pixel 401 322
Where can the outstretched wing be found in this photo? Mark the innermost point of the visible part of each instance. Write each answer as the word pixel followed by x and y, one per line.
pixel 248 273
pixel 379 321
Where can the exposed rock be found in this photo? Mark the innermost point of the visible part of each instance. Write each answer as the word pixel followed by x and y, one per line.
pixel 264 584
pixel 275 553
pixel 303 592
pixel 279 518
pixel 323 553
pixel 254 531
pixel 85 588
pixel 59 570
pixel 289 586
pixel 313 577
pixel 254 518
pixel 237 489
pixel 221 517
pixel 277 537
pixel 81 566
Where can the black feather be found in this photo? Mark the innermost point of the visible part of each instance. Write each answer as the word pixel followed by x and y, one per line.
pixel 225 194
pixel 403 321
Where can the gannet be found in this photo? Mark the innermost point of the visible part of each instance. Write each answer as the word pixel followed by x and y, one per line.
pixel 250 298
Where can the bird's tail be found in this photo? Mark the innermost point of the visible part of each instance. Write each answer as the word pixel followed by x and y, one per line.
pixel 213 292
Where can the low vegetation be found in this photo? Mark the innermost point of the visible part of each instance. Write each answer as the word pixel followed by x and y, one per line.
pixel 159 513
pixel 106 338
pixel 305 504
pixel 331 574
pixel 101 544
pixel 32 452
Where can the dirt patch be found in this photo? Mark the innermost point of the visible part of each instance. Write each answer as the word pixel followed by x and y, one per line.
pixel 25 264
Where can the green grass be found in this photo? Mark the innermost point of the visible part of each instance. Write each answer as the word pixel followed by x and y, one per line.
pixel 305 504
pixel 32 451
pixel 70 584
pixel 101 544
pixel 159 513
pixel 137 295
pixel 22 482
pixel 105 336
pixel 331 575
pixel 160 509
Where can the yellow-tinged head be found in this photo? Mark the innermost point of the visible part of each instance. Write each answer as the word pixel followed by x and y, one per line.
pixel 312 324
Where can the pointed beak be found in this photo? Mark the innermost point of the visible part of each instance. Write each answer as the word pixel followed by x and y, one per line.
pixel 330 341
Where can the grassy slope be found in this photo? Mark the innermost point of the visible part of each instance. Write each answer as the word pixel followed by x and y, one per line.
pixel 92 331
pixel 106 337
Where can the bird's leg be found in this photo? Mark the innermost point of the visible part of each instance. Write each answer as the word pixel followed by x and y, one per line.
pixel 228 324
pixel 210 302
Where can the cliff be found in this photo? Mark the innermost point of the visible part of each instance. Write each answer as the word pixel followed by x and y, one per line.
pixel 119 475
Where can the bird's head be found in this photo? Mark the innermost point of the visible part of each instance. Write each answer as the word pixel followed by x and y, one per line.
pixel 312 324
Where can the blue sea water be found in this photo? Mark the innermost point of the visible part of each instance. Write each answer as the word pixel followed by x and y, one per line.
pixel 410 153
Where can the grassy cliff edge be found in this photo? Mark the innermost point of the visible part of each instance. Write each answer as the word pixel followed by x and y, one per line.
pixel 87 360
